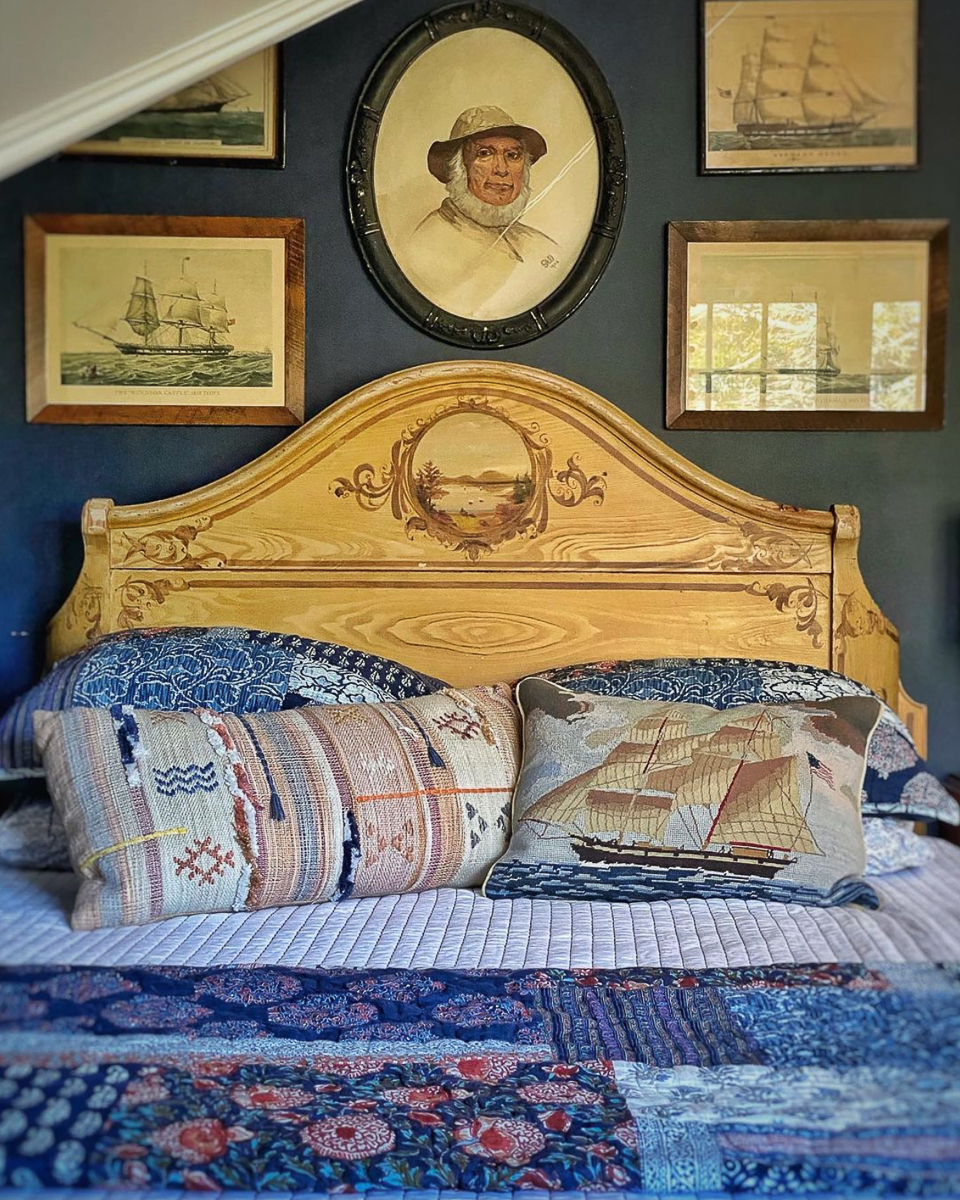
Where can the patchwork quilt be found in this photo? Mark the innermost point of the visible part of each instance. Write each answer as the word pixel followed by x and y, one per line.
pixel 789 1081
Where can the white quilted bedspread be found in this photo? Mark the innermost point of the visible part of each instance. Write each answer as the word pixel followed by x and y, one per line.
pixel 919 919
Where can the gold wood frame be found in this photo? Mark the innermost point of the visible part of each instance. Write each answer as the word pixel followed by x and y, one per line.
pixel 575 535
pixel 43 408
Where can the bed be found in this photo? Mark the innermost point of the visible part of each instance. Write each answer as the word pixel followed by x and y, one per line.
pixel 693 1047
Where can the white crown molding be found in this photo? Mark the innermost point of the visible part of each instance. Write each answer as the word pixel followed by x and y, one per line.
pixel 28 137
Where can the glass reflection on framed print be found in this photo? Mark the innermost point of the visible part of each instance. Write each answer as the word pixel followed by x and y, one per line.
pixel 808 85
pixel 232 118
pixel 806 324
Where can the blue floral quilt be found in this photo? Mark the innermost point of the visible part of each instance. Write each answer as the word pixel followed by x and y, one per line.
pixel 787 1081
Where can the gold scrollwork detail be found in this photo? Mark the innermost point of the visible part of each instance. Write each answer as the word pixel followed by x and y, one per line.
pixel 574 486
pixel 857 620
pixel 755 546
pixel 138 596
pixel 801 600
pixel 434 486
pixel 173 547
pixel 86 612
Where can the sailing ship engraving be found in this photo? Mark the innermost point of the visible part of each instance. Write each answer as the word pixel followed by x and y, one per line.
pixel 210 95
pixel 828 348
pixel 724 800
pixel 227 115
pixel 190 323
pixel 781 98
pixel 811 85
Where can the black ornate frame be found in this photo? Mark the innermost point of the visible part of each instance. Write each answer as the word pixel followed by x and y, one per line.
pixel 362 145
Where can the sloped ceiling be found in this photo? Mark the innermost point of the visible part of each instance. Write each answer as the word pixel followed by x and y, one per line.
pixel 69 68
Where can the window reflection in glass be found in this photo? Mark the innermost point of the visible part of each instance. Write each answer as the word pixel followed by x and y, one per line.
pixel 792 347
pixel 746 355
pixel 791 391
pixel 896 360
pixel 792 340
pixel 697 358
pixel 786 355
pixel 737 336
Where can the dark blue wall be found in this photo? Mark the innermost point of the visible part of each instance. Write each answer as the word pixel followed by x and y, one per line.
pixel 906 485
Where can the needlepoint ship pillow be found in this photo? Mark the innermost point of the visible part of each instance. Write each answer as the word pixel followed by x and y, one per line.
pixel 644 800
pixel 170 813
pixel 897 782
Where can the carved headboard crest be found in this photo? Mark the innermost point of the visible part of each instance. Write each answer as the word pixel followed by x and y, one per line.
pixel 480 520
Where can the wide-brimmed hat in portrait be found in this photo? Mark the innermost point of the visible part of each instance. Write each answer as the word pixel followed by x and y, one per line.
pixel 471 123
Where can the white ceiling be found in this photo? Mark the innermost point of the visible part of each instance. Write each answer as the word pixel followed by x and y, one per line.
pixel 68 68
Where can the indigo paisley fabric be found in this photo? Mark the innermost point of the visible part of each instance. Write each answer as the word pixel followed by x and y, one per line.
pixel 893 846
pixel 811 1080
pixel 32 836
pixel 897 782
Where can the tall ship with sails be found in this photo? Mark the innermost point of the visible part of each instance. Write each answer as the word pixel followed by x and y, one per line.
pixel 828 348
pixel 728 800
pixel 210 95
pixel 189 324
pixel 780 97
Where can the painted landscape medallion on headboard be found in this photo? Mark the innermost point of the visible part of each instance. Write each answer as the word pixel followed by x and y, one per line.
pixel 472 477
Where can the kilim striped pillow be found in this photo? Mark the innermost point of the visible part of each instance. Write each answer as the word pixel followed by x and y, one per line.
pixel 169 813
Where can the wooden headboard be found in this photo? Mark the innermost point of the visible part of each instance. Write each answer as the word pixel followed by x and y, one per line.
pixel 480 520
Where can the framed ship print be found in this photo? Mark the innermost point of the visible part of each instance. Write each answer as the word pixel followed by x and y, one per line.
pixel 809 85
pixel 164 320
pixel 806 324
pixel 231 118
pixel 486 174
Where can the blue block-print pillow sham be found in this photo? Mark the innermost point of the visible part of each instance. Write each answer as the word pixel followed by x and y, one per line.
pixel 228 669
pixel 894 846
pixel 897 782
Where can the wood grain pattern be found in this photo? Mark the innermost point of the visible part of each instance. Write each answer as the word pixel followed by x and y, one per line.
pixel 483 631
pixel 865 643
pixel 654 557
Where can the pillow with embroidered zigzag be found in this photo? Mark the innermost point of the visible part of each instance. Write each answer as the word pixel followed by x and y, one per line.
pixel 171 813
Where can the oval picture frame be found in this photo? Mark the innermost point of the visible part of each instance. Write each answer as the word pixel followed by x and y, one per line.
pixel 442 270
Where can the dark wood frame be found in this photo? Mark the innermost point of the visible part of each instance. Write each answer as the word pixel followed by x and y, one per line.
pixel 42 411
pixel 681 233
pixel 274 162
pixel 362 204
pixel 702 116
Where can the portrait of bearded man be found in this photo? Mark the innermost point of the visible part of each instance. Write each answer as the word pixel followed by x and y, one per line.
pixel 474 252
